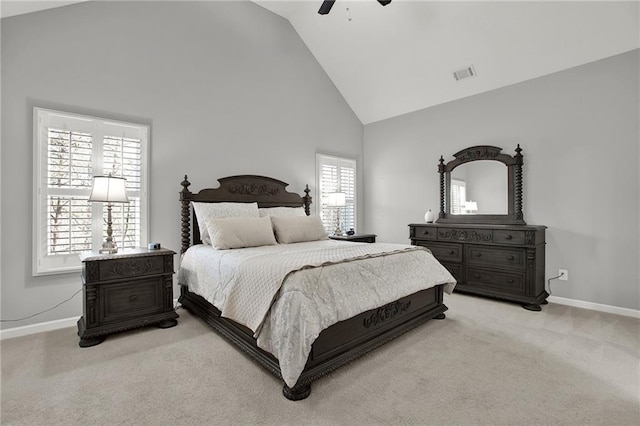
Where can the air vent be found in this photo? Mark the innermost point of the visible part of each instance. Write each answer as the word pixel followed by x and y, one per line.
pixel 464 73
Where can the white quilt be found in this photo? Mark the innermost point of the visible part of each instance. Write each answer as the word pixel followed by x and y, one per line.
pixel 287 294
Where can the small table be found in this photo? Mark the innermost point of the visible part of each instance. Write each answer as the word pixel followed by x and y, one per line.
pixel 356 238
pixel 129 289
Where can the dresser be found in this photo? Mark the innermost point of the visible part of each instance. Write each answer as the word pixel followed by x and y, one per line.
pixel 125 290
pixel 501 261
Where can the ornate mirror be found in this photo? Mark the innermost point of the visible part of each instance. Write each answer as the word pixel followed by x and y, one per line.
pixel 481 185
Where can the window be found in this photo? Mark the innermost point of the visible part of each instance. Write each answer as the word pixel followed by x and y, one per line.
pixel 458 196
pixel 335 174
pixel 69 150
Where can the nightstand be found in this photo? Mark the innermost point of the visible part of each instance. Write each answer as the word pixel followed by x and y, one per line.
pixel 356 238
pixel 125 290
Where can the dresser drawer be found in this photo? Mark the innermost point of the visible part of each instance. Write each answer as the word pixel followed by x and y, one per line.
pixel 488 256
pixel 131 299
pixel 466 235
pixel 424 233
pixel 509 237
pixel 456 270
pixel 444 252
pixel 513 282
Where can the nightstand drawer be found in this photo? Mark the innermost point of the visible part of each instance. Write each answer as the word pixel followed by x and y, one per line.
pixel 507 281
pixel 133 267
pixel 136 298
pixel 495 256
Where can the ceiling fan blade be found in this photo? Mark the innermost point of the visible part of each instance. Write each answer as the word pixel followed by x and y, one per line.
pixel 326 7
pixel 328 4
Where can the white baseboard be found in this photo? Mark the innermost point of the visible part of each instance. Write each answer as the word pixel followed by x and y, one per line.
pixel 71 322
pixel 595 306
pixel 43 326
pixel 38 328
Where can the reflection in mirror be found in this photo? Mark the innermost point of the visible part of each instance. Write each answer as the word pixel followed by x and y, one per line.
pixel 479 187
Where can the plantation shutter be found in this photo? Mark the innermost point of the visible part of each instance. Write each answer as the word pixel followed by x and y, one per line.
pixel 69 181
pixel 337 174
pixel 122 157
pixel 70 150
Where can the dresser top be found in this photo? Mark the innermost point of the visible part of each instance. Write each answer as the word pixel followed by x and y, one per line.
pixel 481 226
pixel 87 256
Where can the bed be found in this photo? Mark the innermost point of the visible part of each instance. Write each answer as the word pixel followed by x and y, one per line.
pixel 307 344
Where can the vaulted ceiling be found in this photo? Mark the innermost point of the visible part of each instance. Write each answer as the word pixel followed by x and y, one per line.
pixel 392 60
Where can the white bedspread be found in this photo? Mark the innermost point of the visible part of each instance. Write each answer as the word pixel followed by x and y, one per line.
pixel 283 295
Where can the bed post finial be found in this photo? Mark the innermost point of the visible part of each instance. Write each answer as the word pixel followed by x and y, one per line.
pixel 185 218
pixel 185 185
pixel 307 200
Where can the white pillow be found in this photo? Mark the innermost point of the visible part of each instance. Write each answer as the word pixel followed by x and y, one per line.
pixel 208 211
pixel 239 232
pixel 282 211
pixel 298 229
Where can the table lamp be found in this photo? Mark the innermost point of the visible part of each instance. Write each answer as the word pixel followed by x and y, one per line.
pixel 471 207
pixel 337 200
pixel 109 189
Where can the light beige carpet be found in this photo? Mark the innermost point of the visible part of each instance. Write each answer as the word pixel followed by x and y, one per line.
pixel 489 363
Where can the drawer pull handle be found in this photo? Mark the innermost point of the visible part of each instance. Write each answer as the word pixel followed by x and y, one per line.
pixel 510 257
pixel 133 298
pixel 452 252
pixel 425 232
pixel 510 280
pixel 478 254
pixel 509 237
pixel 477 276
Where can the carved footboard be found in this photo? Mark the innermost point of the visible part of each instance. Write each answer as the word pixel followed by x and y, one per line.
pixel 335 346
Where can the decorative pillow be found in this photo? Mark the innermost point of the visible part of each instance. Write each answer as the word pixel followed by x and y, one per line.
pixel 282 211
pixel 298 229
pixel 208 211
pixel 239 232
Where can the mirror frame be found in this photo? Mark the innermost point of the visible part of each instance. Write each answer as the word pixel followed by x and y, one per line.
pixel 514 163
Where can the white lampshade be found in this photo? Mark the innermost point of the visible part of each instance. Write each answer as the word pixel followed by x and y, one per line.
pixel 109 189
pixel 336 199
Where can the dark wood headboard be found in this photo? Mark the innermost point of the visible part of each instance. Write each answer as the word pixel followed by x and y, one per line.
pixel 266 191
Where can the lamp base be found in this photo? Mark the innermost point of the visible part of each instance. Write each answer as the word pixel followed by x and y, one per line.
pixel 108 248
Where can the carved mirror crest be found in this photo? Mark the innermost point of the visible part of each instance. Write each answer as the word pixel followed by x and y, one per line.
pixel 481 185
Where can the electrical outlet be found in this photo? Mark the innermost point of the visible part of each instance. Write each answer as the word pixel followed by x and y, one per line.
pixel 564 274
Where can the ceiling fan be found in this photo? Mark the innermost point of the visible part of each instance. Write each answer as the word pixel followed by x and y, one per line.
pixel 328 4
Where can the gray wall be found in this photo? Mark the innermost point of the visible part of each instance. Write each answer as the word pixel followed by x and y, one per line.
pixel 227 87
pixel 579 132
